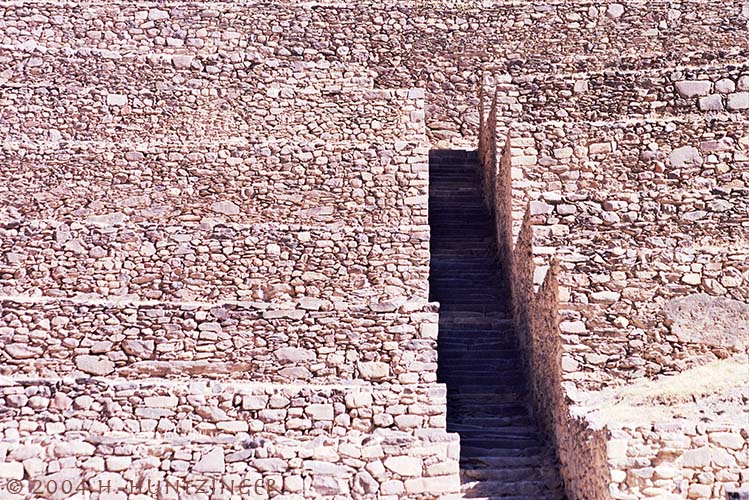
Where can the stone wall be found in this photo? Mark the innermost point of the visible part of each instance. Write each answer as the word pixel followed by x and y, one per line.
pixel 264 262
pixel 619 275
pixel 438 46
pixel 219 340
pixel 678 460
pixel 141 110
pixel 629 210
pixel 97 114
pixel 213 408
pixel 214 259
pixel 237 181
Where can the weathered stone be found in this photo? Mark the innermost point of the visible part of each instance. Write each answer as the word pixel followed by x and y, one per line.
pixel 11 470
pixel 708 320
pixel 738 101
pixel 693 88
pixel 404 466
pixel 712 102
pixel 365 484
pixel 374 370
pixel 22 351
pixel 725 86
pixel 116 100
pixel 295 355
pixel 95 365
pixel 615 10
pixel 686 155
pixel 226 208
pixel 213 461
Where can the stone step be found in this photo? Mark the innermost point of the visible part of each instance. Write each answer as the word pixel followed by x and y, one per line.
pixel 548 496
pixel 487 396
pixel 471 321
pixel 547 474
pixel 495 388
pixel 477 409
pixel 468 452
pixel 490 439
pixel 480 324
pixel 500 488
pixel 484 462
pixel 450 349
pixel 510 395
pixel 453 356
pixel 498 423
pixel 478 307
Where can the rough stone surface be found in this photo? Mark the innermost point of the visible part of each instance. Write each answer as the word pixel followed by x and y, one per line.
pixel 214 239
pixel 708 320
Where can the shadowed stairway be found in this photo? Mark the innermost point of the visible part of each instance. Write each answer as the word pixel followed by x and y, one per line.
pixel 503 453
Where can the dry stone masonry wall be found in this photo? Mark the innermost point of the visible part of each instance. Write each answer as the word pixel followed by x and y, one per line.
pixel 435 45
pixel 214 246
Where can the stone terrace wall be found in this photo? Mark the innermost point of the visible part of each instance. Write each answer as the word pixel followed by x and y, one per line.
pixel 405 44
pixel 663 91
pixel 630 210
pixel 613 224
pixel 158 409
pixel 97 114
pixel 238 181
pixel 192 216
pixel 395 466
pixel 219 340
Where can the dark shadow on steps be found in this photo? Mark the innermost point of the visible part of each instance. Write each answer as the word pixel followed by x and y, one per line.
pixel 503 453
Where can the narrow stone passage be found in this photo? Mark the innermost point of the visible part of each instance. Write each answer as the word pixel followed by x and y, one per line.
pixel 503 453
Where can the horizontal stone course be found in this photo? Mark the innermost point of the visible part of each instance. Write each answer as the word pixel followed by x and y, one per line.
pixel 290 180
pixel 192 408
pixel 253 342
pixel 42 66
pixel 184 114
pixel 616 94
pixel 319 467
pixel 285 28
pixel 108 255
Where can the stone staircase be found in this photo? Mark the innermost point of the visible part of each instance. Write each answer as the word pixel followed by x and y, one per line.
pixel 503 453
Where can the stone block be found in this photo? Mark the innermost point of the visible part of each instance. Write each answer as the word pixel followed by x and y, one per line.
pixel 693 88
pixel 712 102
pixel 738 101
